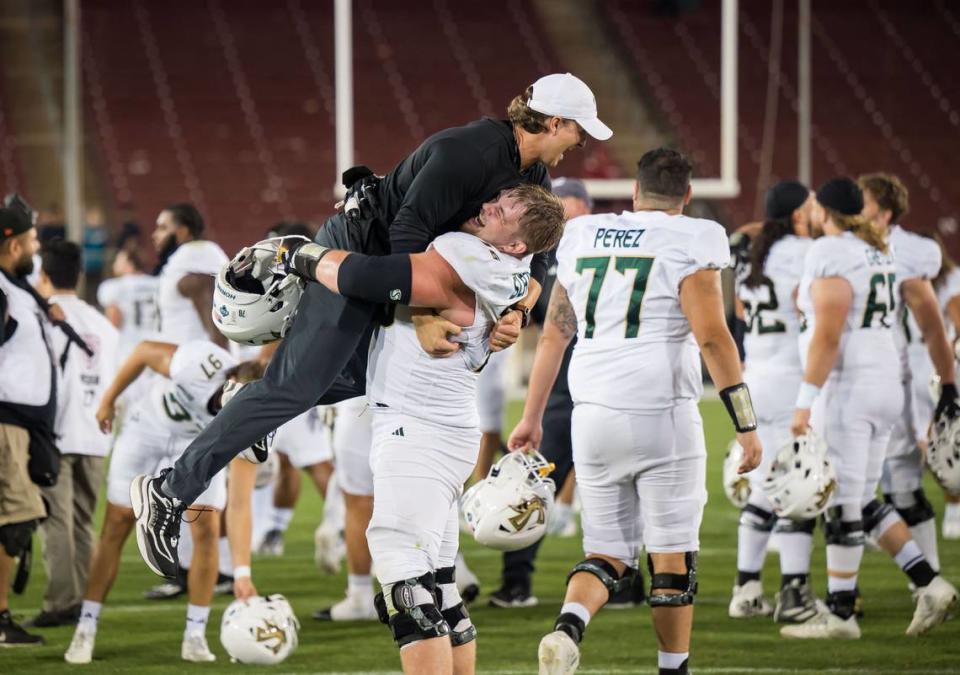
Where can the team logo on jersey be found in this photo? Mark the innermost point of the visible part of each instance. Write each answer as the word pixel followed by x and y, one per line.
pixel 395 295
pixel 521 281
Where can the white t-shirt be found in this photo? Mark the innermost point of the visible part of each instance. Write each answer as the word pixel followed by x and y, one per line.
pixel 178 405
pixel 26 370
pixel 622 273
pixel 867 347
pixel 179 321
pixel 135 296
pixel 402 377
pixel 773 322
pixel 83 379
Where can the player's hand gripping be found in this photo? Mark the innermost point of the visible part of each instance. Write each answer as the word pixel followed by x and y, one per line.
pixel 506 332
pixel 243 588
pixel 526 435
pixel 434 333
pixel 752 451
pixel 801 421
pixel 105 415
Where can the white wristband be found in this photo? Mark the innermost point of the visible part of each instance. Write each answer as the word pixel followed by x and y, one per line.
pixel 807 395
pixel 241 571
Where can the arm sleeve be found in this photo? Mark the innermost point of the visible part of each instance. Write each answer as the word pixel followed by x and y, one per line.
pixel 443 184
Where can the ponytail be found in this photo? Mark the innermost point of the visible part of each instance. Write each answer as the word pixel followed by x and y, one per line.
pixel 772 232
pixel 861 226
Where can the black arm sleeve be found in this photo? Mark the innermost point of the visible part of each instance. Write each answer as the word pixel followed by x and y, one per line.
pixel 450 175
pixel 384 278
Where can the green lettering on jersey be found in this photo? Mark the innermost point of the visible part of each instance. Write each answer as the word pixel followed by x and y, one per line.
pixel 174 409
pixel 880 301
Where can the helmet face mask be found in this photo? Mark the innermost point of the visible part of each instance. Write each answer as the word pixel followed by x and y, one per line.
pixel 510 508
pixel 261 630
pixel 943 453
pixel 256 306
pixel 801 479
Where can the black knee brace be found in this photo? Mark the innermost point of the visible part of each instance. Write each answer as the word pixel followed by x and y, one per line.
pixel 913 507
pixel 840 532
pixel 758 519
pixel 460 634
pixel 790 526
pixel 605 572
pixel 685 583
pixel 874 513
pixel 409 607
pixel 16 537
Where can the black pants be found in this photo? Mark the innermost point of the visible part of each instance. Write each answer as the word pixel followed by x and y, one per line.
pixel 321 360
pixel 555 447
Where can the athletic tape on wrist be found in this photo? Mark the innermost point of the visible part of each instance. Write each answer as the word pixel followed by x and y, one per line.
pixel 241 572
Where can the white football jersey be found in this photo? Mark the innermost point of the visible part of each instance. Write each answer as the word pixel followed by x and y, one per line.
pixel 867 345
pixel 179 321
pixel 947 290
pixel 915 257
pixel 773 322
pixel 178 405
pixel 622 274
pixel 83 379
pixel 403 377
pixel 135 295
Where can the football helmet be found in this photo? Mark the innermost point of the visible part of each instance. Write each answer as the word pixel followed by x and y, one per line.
pixel 509 509
pixel 735 485
pixel 943 452
pixel 801 479
pixel 261 630
pixel 254 298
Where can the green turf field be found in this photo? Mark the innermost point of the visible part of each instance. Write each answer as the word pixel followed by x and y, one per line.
pixel 143 636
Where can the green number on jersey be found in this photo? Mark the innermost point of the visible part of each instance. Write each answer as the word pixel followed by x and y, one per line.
pixel 174 409
pixel 754 312
pixel 599 265
pixel 881 286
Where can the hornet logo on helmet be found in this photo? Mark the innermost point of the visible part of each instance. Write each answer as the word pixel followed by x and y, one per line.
pixel 271 631
pixel 224 311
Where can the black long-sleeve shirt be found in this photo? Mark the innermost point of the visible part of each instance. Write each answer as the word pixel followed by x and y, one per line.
pixel 445 181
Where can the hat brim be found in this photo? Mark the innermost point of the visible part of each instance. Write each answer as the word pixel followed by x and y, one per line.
pixel 596 128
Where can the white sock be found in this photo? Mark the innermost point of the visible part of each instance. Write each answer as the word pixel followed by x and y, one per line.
pixel 925 534
pixel 89 615
pixel 333 506
pixel 226 561
pixel 196 620
pixel 282 518
pixel 361 586
pixel 751 548
pixel 795 550
pixel 843 559
pixel 671 659
pixel 577 610
pixel 952 511
pixel 908 553
pixel 185 548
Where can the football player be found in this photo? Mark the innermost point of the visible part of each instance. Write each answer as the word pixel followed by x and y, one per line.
pixel 851 391
pixel 641 290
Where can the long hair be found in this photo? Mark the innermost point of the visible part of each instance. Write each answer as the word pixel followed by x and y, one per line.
pixel 771 232
pixel 862 227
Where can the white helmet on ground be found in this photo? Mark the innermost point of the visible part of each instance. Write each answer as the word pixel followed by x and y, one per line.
pixel 943 453
pixel 800 479
pixel 261 630
pixel 254 301
pixel 509 509
pixel 736 486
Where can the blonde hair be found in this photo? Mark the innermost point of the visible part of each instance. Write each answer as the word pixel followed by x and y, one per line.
pixel 521 115
pixel 862 227
pixel 541 224
pixel 889 193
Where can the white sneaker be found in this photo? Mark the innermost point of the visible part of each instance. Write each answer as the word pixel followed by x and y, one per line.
pixel 825 625
pixel 351 608
pixel 748 601
pixel 328 548
pixel 558 654
pixel 468 585
pixel 194 648
pixel 81 646
pixel 934 602
pixel 951 525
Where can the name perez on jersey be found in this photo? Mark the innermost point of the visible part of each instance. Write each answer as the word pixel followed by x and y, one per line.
pixel 617 238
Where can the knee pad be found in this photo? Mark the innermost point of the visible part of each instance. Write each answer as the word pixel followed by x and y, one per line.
pixel 876 517
pixel 409 607
pixel 842 526
pixel 913 507
pixel 452 608
pixel 685 583
pixel 790 526
pixel 757 519
pixel 16 537
pixel 605 572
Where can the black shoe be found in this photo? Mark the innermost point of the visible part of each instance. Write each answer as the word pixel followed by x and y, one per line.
pixel 795 603
pixel 13 635
pixel 224 585
pixel 509 597
pixel 53 619
pixel 470 593
pixel 158 524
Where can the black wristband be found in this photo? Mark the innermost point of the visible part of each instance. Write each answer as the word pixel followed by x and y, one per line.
pixel 740 407
pixel 304 258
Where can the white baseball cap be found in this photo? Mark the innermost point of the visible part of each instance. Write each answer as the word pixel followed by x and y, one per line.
pixel 567 96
